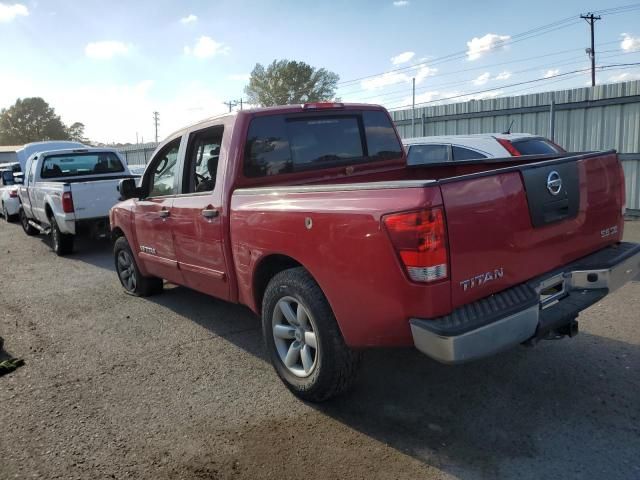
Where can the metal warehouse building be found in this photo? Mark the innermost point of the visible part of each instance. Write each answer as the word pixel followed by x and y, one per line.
pixel 590 118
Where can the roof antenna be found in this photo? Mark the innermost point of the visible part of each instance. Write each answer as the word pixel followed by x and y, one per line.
pixel 508 132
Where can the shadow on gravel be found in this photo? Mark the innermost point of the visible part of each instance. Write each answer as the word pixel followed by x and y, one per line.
pixel 570 406
pixel 96 252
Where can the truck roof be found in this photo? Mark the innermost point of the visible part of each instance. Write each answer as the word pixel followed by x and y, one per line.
pixel 298 107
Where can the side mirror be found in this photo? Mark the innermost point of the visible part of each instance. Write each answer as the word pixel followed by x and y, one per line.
pixel 127 188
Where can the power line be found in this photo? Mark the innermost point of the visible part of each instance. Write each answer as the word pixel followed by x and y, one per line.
pixel 403 93
pixel 573 72
pixel 531 33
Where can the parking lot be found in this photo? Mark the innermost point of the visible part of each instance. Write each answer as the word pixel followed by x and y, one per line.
pixel 178 386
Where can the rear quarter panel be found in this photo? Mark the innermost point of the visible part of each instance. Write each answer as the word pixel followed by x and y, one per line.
pixel 346 250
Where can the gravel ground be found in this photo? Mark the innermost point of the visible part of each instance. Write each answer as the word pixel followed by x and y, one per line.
pixel 178 386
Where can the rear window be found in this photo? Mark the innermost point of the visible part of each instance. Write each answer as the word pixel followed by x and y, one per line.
pixel 79 164
pixel 284 144
pixel 535 146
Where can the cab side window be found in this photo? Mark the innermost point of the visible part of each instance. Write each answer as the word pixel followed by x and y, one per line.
pixel 163 170
pixel 203 154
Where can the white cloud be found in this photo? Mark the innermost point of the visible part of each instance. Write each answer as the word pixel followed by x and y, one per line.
pixel 624 77
pixel 478 46
pixel 207 47
pixel 403 57
pixel 393 78
pixel 400 3
pixel 551 73
pixel 106 49
pixel 240 77
pixel 482 79
pixel 424 72
pixel 503 75
pixel 630 43
pixel 10 12
pixel 189 19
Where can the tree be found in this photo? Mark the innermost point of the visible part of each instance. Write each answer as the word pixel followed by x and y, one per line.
pixel 76 132
pixel 30 120
pixel 285 82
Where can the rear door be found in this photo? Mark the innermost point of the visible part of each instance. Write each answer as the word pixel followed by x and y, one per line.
pixel 507 227
pixel 153 220
pixel 196 215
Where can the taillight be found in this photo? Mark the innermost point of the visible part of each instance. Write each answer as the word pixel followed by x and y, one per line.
pixel 67 202
pixel 420 239
pixel 13 193
pixel 513 151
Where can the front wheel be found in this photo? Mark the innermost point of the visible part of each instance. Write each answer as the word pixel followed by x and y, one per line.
pixel 303 339
pixel 62 243
pixel 133 282
pixel 26 226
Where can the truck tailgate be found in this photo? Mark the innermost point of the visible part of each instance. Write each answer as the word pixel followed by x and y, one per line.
pixel 507 226
pixel 93 199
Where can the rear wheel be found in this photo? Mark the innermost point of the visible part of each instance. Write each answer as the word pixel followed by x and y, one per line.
pixel 303 339
pixel 26 226
pixel 62 243
pixel 133 282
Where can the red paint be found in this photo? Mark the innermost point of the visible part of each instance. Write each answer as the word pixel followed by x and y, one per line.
pixel 348 250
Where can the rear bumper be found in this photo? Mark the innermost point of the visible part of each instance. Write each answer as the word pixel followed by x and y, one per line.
pixel 528 311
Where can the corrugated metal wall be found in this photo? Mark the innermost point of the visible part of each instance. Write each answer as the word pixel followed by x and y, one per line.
pixel 600 118
pixel 138 154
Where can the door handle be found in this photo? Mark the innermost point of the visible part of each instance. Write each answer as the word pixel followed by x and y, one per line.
pixel 210 213
pixel 164 213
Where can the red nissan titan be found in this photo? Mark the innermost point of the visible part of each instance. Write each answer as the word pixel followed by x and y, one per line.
pixel 309 215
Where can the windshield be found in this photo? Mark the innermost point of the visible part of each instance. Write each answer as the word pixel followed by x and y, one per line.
pixel 7 178
pixel 79 164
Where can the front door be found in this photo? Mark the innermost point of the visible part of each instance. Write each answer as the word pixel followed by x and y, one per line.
pixel 196 216
pixel 153 215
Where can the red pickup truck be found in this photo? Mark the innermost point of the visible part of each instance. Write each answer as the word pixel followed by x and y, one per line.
pixel 309 215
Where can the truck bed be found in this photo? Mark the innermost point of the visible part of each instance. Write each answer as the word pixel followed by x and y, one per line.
pixel 499 227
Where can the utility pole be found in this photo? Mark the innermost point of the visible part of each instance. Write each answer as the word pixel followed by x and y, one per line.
pixel 231 104
pixel 241 104
pixel 413 108
pixel 591 20
pixel 156 121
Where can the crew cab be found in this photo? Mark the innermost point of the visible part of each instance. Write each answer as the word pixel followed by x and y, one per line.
pixel 67 192
pixel 309 215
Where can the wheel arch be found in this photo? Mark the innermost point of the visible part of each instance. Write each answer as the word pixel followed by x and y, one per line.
pixel 268 267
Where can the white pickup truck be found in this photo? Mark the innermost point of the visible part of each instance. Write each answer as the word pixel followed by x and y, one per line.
pixel 68 192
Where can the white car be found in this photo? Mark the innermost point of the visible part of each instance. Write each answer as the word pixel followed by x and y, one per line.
pixel 68 192
pixel 451 148
pixel 9 200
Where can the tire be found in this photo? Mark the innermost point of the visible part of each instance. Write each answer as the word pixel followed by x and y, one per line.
pixel 133 282
pixel 8 218
pixel 331 367
pixel 24 220
pixel 62 243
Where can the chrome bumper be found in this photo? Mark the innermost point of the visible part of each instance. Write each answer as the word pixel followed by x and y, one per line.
pixel 535 308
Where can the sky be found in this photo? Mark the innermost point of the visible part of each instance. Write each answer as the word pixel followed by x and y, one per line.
pixel 111 64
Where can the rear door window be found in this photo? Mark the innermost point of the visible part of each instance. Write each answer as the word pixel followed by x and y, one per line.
pixel 535 146
pixel 280 144
pixel 422 154
pixel 461 153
